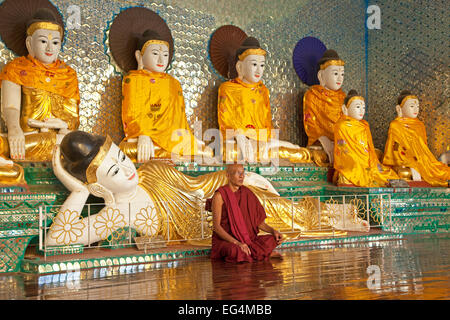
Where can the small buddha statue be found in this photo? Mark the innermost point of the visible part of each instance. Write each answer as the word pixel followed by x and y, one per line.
pixel 406 145
pixel 153 109
pixel 355 159
pixel 244 112
pixel 39 92
pixel 322 103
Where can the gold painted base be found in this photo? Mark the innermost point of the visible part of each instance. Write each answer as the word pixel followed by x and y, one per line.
pixel 12 175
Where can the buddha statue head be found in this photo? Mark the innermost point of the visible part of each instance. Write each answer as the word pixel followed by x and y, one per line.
pixel 331 70
pixel 354 105
pixel 99 163
pixel 44 36
pixel 153 52
pixel 407 105
pixel 250 61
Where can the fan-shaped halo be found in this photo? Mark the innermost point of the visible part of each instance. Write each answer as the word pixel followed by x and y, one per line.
pixel 127 26
pixel 14 15
pixel 305 56
pixel 222 49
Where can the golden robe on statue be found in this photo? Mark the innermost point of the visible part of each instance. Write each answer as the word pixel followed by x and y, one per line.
pixel 322 108
pixel 153 105
pixel 48 91
pixel 406 145
pixel 354 155
pixel 244 106
pixel 11 175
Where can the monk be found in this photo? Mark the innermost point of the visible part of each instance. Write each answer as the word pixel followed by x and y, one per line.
pixel 238 216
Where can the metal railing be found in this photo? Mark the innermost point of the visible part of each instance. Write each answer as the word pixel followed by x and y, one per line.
pixel 300 214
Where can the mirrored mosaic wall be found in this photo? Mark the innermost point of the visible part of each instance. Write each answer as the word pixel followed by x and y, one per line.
pixel 411 51
pixel 412 61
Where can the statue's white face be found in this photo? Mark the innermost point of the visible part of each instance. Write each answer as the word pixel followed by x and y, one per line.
pixel 251 69
pixel 44 45
pixel 156 57
pixel 117 172
pixel 332 77
pixel 410 108
pixel 356 109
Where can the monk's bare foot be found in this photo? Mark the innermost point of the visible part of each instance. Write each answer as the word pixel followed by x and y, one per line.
pixel 275 255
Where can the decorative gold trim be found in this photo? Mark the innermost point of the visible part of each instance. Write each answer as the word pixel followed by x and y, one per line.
pixel 406 98
pixel 259 52
pixel 354 98
pixel 149 42
pixel 325 65
pixel 44 25
pixel 91 171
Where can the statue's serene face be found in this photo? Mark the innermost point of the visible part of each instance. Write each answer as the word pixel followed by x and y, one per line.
pixel 410 108
pixel 332 77
pixel 356 109
pixel 156 57
pixel 251 69
pixel 44 45
pixel 117 172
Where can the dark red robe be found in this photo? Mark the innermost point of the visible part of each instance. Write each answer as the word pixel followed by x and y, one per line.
pixel 243 225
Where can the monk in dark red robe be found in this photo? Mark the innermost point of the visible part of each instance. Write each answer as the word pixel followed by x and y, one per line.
pixel 238 216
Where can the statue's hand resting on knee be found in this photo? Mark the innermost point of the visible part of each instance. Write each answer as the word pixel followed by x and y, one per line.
pixel 145 148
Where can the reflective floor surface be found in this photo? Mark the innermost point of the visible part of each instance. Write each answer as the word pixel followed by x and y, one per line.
pixel 416 267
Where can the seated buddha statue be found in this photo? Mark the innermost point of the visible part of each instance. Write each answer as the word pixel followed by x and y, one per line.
pixel 244 112
pixel 406 145
pixel 322 103
pixel 153 109
pixel 39 92
pixel 156 199
pixel 355 159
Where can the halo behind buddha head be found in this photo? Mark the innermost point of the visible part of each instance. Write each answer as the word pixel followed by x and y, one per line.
pixel 223 46
pixel 307 52
pixel 79 150
pixel 16 16
pixel 131 29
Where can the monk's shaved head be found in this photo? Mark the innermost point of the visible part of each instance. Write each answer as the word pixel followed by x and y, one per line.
pixel 235 174
pixel 231 168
